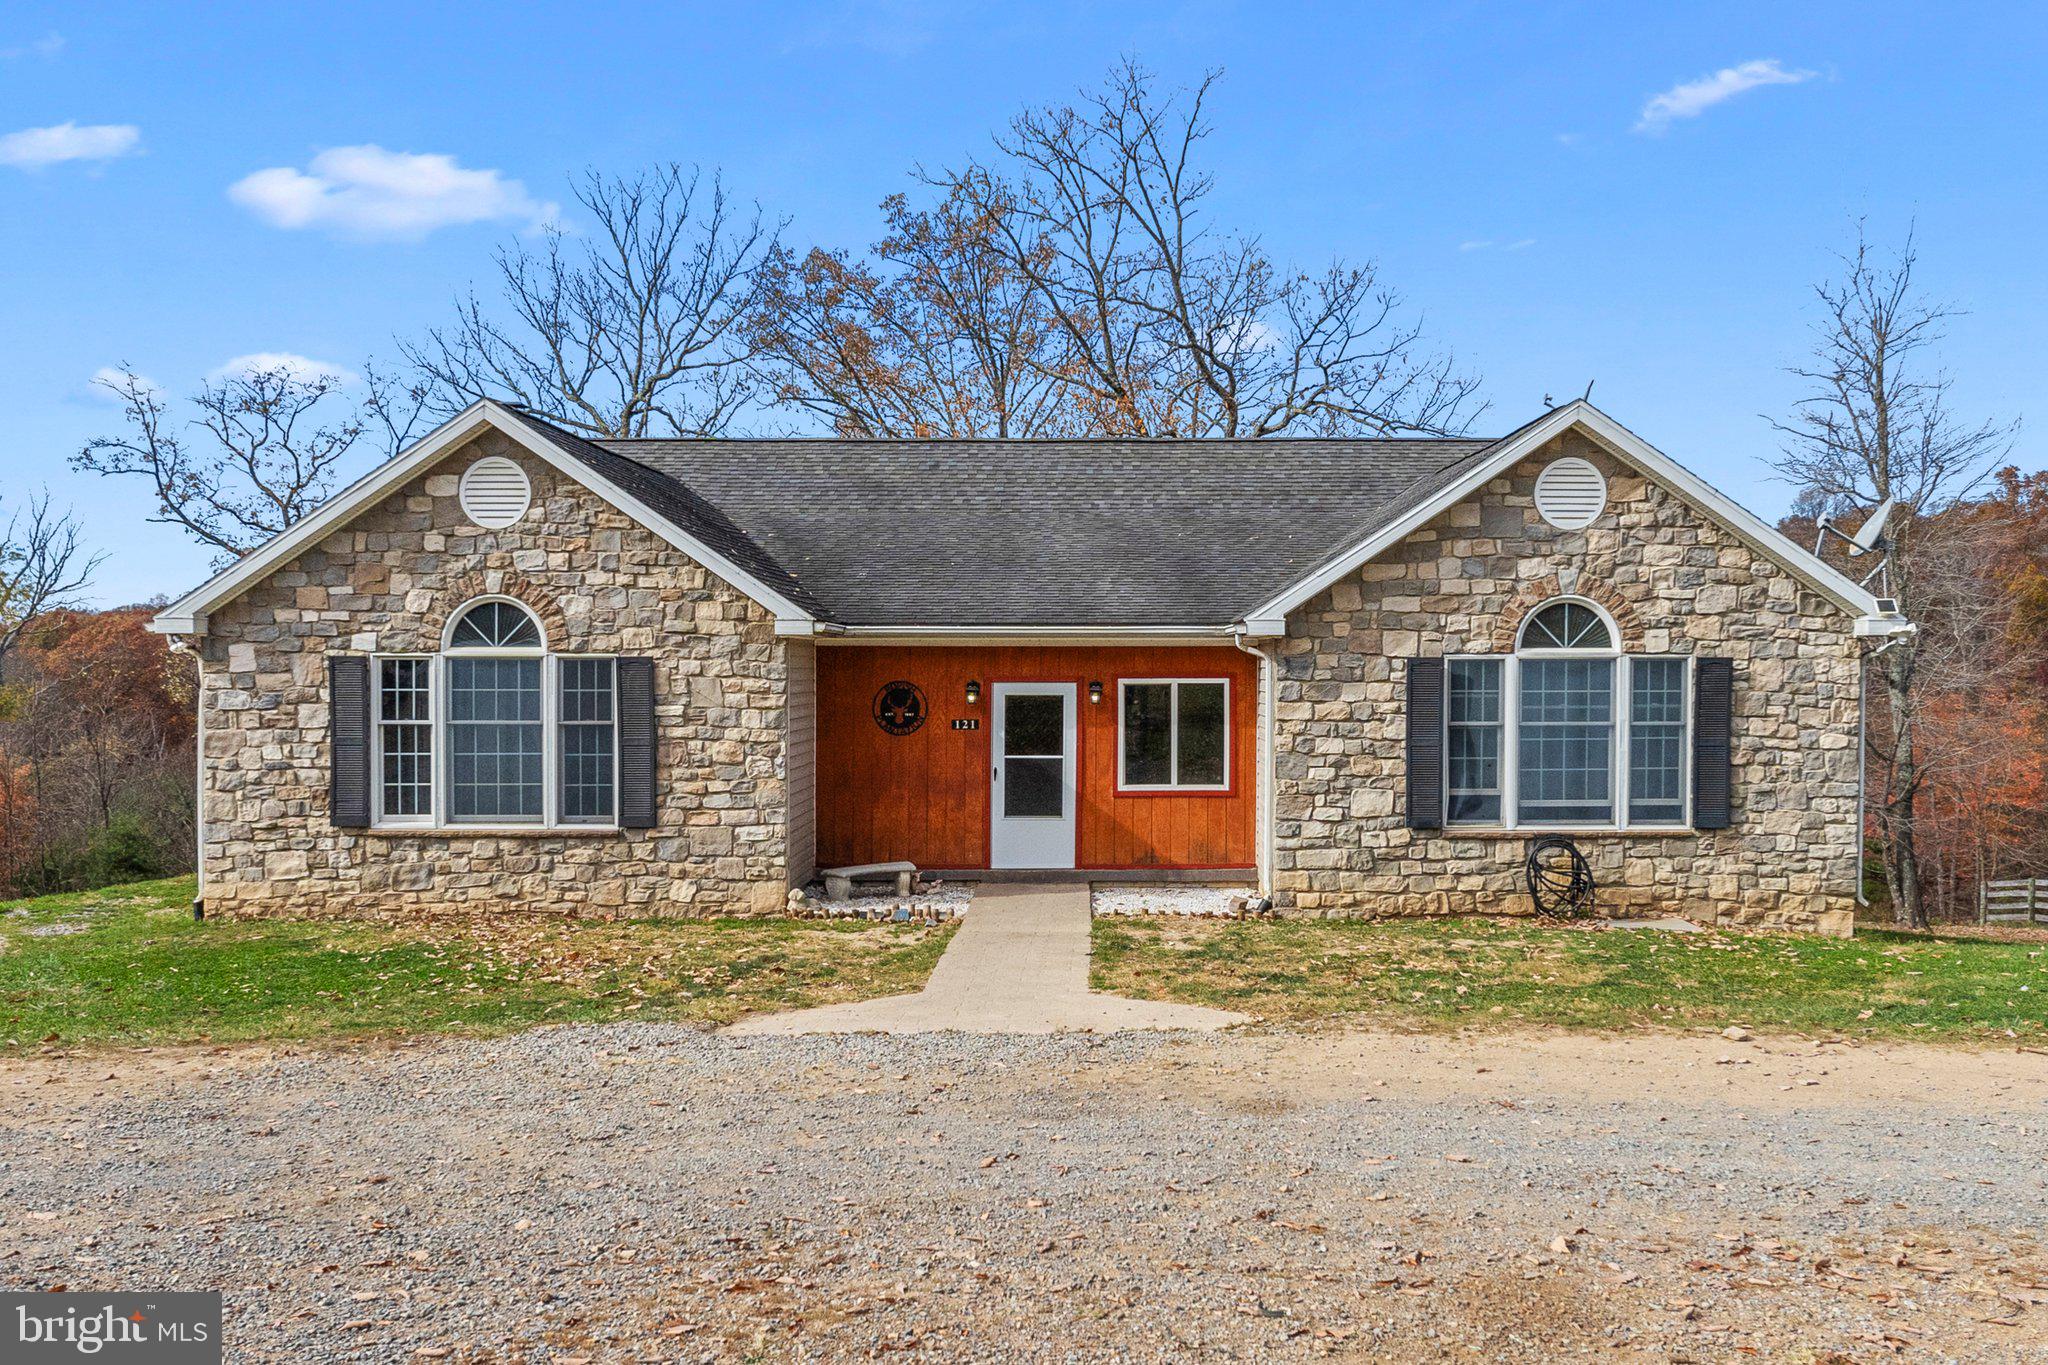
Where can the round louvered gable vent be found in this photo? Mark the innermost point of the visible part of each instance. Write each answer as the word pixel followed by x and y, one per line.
pixel 495 492
pixel 1570 493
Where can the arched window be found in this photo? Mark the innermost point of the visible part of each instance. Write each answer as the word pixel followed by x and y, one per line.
pixel 1569 730
pixel 495 625
pixel 495 730
pixel 1567 625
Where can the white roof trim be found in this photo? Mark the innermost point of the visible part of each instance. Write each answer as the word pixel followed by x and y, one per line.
pixel 1269 617
pixel 187 615
pixel 938 636
pixel 1022 631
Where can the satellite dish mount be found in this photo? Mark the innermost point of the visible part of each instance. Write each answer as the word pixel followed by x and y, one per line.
pixel 1868 539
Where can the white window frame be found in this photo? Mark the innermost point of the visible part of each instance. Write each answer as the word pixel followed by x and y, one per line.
pixel 1618 752
pixel 1173 736
pixel 430 816
pixel 552 747
pixel 440 816
pixel 1506 726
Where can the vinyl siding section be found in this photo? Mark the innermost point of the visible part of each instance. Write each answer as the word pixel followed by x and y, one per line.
pixel 800 746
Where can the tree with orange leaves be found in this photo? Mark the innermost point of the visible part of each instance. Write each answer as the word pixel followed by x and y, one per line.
pixel 96 749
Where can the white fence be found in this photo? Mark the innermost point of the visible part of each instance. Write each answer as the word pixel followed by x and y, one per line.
pixel 2022 898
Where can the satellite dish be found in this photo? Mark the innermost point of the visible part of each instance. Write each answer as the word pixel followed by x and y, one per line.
pixel 1870 535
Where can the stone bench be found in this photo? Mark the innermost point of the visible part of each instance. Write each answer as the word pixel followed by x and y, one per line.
pixel 839 880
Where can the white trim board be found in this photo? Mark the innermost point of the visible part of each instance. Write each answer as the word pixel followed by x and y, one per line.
pixel 187 615
pixel 998 634
pixel 1270 619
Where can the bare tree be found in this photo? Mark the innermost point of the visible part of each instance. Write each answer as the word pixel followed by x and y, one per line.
pixel 1978 710
pixel 270 445
pixel 1877 425
pixel 42 567
pixel 1170 325
pixel 636 329
pixel 935 335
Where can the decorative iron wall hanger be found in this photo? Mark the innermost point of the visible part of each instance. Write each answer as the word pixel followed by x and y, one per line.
pixel 900 707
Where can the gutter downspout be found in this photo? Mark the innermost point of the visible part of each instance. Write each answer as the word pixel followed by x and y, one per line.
pixel 1269 683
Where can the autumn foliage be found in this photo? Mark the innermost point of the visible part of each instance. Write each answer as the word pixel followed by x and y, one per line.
pixel 1985 802
pixel 96 730
pixel 1982 726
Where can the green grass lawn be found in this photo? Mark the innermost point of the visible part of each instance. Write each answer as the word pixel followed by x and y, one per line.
pixel 1435 974
pixel 127 965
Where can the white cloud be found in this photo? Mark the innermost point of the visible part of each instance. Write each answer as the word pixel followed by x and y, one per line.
pixel 1693 98
pixel 45 47
pixel 33 148
pixel 369 192
pixel 302 368
pixel 109 378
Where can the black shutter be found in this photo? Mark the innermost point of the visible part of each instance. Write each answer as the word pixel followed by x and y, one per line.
pixel 636 743
pixel 348 740
pixel 1713 727
pixel 1425 744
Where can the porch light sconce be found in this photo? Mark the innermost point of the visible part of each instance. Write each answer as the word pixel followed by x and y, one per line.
pixel 973 692
pixel 1095 694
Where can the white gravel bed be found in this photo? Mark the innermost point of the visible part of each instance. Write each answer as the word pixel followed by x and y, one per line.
pixel 1172 900
pixel 878 900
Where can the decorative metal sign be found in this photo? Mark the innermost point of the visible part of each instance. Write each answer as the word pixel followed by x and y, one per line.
pixel 970 723
pixel 900 707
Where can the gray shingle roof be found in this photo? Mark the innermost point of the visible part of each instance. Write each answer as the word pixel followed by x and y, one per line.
pixel 685 507
pixel 1029 533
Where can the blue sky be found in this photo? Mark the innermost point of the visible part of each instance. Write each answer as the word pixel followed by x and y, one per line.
pixel 1511 168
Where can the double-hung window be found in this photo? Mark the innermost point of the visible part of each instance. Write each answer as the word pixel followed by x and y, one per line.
pixel 1656 741
pixel 405 737
pixel 1173 734
pixel 496 731
pixel 1474 752
pixel 586 721
pixel 1568 731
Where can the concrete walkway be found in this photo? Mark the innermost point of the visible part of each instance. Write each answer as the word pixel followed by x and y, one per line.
pixel 1018 965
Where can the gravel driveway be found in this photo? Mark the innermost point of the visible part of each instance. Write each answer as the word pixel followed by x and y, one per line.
pixel 637 1193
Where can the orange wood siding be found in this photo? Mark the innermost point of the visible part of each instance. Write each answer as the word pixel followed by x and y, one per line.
pixel 925 796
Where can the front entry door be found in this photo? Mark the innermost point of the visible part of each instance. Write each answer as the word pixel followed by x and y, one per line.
pixel 1032 810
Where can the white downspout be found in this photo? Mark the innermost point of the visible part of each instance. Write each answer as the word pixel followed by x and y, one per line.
pixel 1269 685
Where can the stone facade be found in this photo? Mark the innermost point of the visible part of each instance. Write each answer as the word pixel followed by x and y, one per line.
pixel 599 583
pixel 735 713
pixel 1677 583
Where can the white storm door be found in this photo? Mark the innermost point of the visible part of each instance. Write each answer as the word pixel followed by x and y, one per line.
pixel 1032 809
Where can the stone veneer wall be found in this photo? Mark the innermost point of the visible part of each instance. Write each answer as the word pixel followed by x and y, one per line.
pixel 599 583
pixel 1677 583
